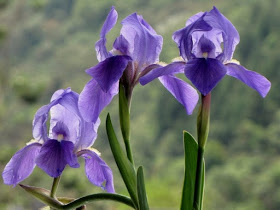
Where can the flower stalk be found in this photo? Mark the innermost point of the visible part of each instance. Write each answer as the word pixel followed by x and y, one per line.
pixel 203 121
pixel 54 186
pixel 124 113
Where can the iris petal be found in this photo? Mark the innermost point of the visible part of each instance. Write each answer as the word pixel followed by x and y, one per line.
pixel 55 155
pixel 183 37
pixel 142 43
pixel 205 73
pixel 173 68
pixel 109 71
pixel 100 45
pixel 39 129
pixel 21 164
pixel 250 78
pixel 182 91
pixel 97 171
pixel 230 35
pixel 93 100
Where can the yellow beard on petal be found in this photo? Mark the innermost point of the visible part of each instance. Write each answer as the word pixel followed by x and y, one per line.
pixel 60 137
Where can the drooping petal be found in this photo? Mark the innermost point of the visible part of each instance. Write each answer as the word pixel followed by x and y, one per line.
pixel 21 164
pixel 141 41
pixel 230 35
pixel 97 171
pixel 93 100
pixel 205 73
pixel 109 71
pixel 183 37
pixel 55 155
pixel 182 91
pixel 171 69
pixel 250 78
pixel 100 45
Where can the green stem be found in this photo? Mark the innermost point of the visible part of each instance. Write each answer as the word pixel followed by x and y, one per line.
pixel 199 180
pixel 203 121
pixel 124 113
pixel 54 186
pixel 101 196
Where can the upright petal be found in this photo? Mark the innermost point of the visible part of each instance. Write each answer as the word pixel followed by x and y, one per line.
pixel 182 91
pixel 171 69
pixel 71 121
pixel 100 45
pixel 109 71
pixel 250 78
pixel 39 130
pixel 143 44
pixel 55 155
pixel 183 37
pixel 93 100
pixel 194 18
pixel 88 134
pixel 97 171
pixel 230 35
pixel 205 73
pixel 21 164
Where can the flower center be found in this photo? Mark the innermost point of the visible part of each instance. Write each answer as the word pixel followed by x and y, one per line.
pixel 60 137
pixel 205 55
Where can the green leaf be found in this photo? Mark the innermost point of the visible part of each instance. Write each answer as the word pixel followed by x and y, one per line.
pixel 191 149
pixel 43 195
pixel 143 202
pixel 125 167
pixel 97 197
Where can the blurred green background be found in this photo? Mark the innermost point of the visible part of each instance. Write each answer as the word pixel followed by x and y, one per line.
pixel 46 45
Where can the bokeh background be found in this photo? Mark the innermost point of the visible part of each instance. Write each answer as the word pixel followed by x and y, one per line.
pixel 46 45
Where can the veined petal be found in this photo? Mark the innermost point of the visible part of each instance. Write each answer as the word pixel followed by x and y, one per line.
pixel 55 155
pixel 93 100
pixel 21 164
pixel 194 18
pixel 250 78
pixel 88 134
pixel 230 35
pixel 205 73
pixel 182 91
pixel 109 71
pixel 183 37
pixel 97 171
pixel 71 121
pixel 100 45
pixel 142 43
pixel 171 69
pixel 39 129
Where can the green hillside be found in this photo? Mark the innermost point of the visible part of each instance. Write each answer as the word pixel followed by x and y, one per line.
pixel 46 45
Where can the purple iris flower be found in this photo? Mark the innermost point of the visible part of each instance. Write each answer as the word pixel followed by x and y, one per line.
pixel 134 53
pixel 70 136
pixel 207 44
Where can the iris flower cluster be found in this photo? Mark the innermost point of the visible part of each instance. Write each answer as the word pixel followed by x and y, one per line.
pixel 69 137
pixel 206 45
